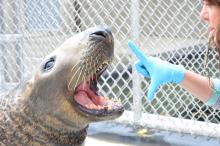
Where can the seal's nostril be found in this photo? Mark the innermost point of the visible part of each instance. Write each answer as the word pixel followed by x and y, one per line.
pixel 100 33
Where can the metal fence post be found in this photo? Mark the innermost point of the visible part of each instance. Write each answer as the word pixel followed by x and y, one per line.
pixel 136 78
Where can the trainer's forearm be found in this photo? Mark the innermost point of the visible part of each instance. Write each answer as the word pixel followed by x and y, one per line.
pixel 197 85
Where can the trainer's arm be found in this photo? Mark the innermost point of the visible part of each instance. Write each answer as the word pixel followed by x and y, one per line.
pixel 200 87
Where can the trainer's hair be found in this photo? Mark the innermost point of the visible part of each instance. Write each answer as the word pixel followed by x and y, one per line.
pixel 217 41
pixel 216 37
pixel 214 2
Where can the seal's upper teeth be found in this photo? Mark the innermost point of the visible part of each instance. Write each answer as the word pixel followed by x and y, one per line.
pixel 102 66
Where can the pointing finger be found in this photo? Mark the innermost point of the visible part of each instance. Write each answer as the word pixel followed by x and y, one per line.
pixel 140 55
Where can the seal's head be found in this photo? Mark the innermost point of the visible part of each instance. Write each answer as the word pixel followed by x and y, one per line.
pixel 63 92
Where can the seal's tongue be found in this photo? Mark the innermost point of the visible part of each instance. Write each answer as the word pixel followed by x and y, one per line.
pixel 88 98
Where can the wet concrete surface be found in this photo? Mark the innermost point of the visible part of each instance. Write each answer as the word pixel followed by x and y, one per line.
pixel 112 134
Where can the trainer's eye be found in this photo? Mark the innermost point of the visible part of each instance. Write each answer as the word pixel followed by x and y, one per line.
pixel 48 64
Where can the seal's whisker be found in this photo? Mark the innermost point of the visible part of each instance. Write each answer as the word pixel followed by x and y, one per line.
pixel 84 79
pixel 75 73
pixel 78 78
pixel 75 66
pixel 93 71
pixel 85 74
pixel 96 68
pixel 72 77
pixel 90 66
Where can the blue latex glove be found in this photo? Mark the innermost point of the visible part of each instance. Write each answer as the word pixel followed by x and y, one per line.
pixel 159 71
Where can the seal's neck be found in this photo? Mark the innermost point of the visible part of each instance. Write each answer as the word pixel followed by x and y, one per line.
pixel 34 132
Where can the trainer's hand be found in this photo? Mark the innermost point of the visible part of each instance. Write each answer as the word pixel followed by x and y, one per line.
pixel 159 71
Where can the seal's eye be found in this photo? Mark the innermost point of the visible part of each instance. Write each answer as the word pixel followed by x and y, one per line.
pixel 48 64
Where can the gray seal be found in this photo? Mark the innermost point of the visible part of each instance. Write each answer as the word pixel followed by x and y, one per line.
pixel 60 100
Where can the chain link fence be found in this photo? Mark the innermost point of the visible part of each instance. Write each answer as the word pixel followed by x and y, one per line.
pixel 171 30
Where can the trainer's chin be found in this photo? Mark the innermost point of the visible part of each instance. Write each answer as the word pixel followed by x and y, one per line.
pixel 215 40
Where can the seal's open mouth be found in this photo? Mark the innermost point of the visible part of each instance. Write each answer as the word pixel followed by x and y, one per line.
pixel 90 102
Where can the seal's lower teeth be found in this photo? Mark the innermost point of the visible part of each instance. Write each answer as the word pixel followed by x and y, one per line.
pixel 99 69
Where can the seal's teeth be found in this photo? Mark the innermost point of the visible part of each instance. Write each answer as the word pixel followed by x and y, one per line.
pixel 102 66
pixel 93 106
pixel 99 69
pixel 99 107
pixel 109 107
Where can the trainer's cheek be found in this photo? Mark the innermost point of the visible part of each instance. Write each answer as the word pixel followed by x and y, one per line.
pixel 217 38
